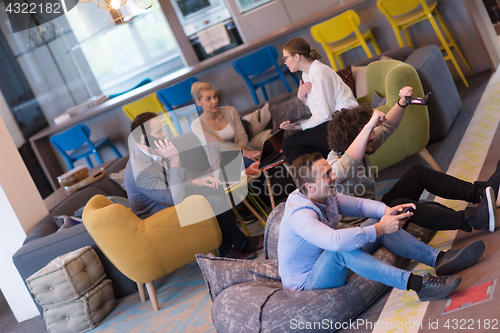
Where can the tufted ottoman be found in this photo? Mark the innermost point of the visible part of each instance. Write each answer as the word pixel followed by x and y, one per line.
pixel 248 296
pixel 73 291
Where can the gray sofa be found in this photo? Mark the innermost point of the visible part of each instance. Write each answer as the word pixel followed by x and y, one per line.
pixel 248 296
pixel 435 76
pixel 45 241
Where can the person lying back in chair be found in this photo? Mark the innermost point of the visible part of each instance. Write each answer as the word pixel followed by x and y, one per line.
pixel 155 179
pixel 314 254
pixel 355 134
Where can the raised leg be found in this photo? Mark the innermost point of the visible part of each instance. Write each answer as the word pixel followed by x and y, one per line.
pixel 117 153
pixel 447 48
pixel 152 295
pixel 374 44
pixel 428 158
pixel 264 92
pixel 142 292
pixel 407 37
pixel 269 188
pixel 453 43
pixel 89 162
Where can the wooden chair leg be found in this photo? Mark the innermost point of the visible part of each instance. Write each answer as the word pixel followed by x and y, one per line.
pixel 428 158
pixel 142 292
pixel 152 295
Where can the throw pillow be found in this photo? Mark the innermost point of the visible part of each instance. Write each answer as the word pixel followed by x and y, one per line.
pixel 256 121
pixel 291 109
pixel 346 76
pixel 378 100
pixel 359 75
pixel 221 273
pixel 65 222
pixel 119 178
pixel 259 139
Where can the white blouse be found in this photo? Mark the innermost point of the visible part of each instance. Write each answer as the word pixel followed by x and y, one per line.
pixel 328 94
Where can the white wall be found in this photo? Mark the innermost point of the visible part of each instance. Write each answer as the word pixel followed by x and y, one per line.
pixel 10 123
pixel 21 207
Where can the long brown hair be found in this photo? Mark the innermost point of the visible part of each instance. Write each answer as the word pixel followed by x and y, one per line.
pixel 301 46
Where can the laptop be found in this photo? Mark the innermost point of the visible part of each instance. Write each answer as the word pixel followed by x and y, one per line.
pixel 231 167
pixel 271 151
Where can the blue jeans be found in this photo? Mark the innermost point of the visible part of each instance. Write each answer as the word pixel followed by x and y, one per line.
pixel 332 268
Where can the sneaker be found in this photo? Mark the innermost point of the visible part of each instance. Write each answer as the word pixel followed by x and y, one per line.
pixel 494 182
pixel 437 287
pixel 454 261
pixel 484 216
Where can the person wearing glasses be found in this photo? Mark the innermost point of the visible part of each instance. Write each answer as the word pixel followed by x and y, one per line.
pixel 322 90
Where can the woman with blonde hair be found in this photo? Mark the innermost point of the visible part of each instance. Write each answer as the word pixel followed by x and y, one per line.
pixel 219 128
pixel 322 90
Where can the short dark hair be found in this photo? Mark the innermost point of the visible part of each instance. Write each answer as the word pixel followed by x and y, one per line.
pixel 345 127
pixel 141 120
pixel 301 170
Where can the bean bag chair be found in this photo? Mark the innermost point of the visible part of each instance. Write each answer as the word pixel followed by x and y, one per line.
pixel 248 295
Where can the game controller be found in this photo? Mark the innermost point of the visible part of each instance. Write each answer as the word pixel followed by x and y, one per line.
pixel 406 220
pixel 417 100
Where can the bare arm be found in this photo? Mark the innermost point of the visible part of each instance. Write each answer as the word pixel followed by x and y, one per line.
pixel 357 149
pixel 396 113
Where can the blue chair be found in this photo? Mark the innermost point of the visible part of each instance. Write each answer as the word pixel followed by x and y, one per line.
pixel 140 84
pixel 261 68
pixel 76 139
pixel 176 96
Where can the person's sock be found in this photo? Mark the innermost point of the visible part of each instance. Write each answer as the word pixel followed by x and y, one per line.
pixel 414 282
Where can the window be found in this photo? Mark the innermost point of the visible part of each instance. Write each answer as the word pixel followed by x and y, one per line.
pixel 122 56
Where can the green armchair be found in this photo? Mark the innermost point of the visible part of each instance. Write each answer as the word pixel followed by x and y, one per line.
pixel 387 77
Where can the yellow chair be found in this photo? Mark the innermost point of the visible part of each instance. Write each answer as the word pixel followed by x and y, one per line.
pixel 145 250
pixel 333 36
pixel 403 14
pixel 150 103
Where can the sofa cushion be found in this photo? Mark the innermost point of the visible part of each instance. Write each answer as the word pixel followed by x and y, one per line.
pixel 290 109
pixel 256 121
pixel 347 76
pixel 221 273
pixel 377 100
pixel 67 277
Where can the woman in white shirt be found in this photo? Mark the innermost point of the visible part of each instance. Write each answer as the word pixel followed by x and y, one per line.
pixel 219 128
pixel 322 90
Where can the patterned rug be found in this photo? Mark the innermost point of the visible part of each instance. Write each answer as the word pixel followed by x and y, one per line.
pixel 184 307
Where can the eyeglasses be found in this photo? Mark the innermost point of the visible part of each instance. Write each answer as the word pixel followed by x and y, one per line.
pixel 286 57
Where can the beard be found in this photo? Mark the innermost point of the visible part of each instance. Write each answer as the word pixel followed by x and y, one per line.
pixel 369 148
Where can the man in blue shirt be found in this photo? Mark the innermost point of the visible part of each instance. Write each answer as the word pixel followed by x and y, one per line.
pixel 313 254
pixel 155 179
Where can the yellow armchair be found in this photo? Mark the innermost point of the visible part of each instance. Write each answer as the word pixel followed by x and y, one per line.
pixel 145 250
pixel 387 77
